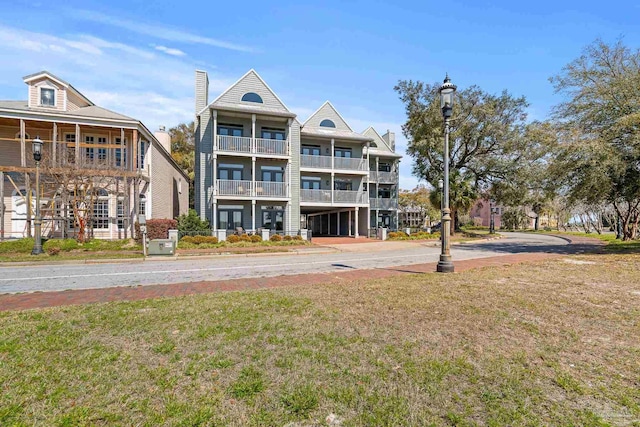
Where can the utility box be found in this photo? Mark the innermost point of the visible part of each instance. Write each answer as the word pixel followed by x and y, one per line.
pixel 162 247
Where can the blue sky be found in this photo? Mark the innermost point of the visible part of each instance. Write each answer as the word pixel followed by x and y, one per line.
pixel 138 57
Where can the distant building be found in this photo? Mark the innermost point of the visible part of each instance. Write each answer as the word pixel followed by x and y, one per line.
pixel 481 214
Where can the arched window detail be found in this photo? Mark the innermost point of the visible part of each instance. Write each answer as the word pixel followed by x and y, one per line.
pixel 252 97
pixel 326 123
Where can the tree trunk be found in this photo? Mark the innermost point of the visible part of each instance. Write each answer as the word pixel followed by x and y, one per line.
pixel 536 223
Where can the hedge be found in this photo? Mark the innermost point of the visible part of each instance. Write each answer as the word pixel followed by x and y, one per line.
pixel 157 229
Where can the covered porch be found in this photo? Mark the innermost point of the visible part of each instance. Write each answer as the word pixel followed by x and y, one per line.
pixel 343 222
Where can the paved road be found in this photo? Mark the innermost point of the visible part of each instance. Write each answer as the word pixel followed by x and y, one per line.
pixel 82 276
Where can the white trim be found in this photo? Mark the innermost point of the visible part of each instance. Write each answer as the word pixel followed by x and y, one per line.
pixel 55 95
pixel 379 137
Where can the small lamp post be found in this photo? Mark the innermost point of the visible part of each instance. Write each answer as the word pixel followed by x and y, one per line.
pixel 447 90
pixel 492 211
pixel 36 146
pixel 142 221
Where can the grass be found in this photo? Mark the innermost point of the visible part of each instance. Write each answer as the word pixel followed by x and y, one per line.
pixel 613 245
pixel 553 343
pixel 68 249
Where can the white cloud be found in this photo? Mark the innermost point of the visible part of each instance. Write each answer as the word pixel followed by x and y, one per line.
pixel 142 83
pixel 154 30
pixel 169 50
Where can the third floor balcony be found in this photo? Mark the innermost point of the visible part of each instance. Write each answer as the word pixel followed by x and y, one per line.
pixel 383 177
pixel 247 145
pixel 339 163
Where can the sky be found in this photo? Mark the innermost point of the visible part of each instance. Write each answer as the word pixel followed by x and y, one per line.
pixel 138 57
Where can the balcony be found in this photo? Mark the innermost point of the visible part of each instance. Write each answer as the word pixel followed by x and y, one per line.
pixel 271 189
pixel 383 203
pixel 324 162
pixel 271 146
pixel 383 177
pixel 339 196
pixel 228 187
pixel 245 188
pixel 347 163
pixel 243 145
pixel 316 162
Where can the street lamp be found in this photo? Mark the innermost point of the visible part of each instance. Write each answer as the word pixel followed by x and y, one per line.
pixel 447 90
pixel 492 211
pixel 36 146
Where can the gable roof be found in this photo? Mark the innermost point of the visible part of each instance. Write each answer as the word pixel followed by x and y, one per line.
pixel 90 112
pixel 46 74
pixel 327 111
pixel 251 81
pixel 382 148
pixel 311 127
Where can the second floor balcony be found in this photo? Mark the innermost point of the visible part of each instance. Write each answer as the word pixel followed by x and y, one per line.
pixel 335 196
pixel 383 177
pixel 383 203
pixel 251 189
pixel 247 145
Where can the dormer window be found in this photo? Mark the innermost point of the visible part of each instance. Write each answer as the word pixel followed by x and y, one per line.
pixel 47 97
pixel 252 97
pixel 326 123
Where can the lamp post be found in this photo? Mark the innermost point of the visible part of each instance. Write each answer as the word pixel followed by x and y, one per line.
pixel 36 146
pixel 492 222
pixel 447 90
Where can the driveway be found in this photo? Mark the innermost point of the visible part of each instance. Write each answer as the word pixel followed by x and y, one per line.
pixel 379 255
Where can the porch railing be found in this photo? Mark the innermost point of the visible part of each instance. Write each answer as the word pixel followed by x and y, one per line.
pixel 383 203
pixel 317 196
pixel 271 146
pixel 228 187
pixel 383 177
pixel 271 189
pixel 347 196
pixel 347 163
pixel 319 162
pixel 238 144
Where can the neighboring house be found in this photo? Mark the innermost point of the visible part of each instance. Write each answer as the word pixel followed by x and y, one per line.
pixel 124 169
pixel 481 214
pixel 412 218
pixel 259 168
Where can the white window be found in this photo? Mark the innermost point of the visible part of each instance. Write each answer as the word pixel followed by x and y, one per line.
pixel 47 97
pixel 101 211
pixel 120 214
pixel 142 205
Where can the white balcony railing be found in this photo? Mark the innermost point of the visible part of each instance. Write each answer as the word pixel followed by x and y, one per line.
pixel 242 144
pixel 228 187
pixel 317 196
pixel 271 189
pixel 318 162
pixel 237 144
pixel 383 203
pixel 339 196
pixel 347 163
pixel 271 146
pixel 347 196
pixel 383 177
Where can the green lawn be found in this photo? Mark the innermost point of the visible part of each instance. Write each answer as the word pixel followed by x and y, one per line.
pixel 553 343
pixel 613 245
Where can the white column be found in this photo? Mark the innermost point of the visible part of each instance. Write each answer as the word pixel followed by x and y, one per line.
pixel 333 175
pixel 357 224
pixel 349 223
pixel 79 141
pixel 253 133
pixel 215 216
pixel 253 176
pixel 368 220
pixel 23 145
pixel 289 122
pixel 214 145
pixel 253 215
pixel 54 145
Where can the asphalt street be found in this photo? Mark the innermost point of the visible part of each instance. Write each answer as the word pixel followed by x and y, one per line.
pixel 34 278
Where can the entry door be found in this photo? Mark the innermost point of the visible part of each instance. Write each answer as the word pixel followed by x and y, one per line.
pixel 273 219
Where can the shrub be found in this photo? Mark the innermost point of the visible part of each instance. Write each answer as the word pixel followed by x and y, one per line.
pixel 233 239
pixel 199 240
pixel 245 238
pixel 276 238
pixel 53 251
pixel 256 238
pixel 159 228
pixel 297 237
pixel 191 222
pixel 187 239
pixel 287 238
